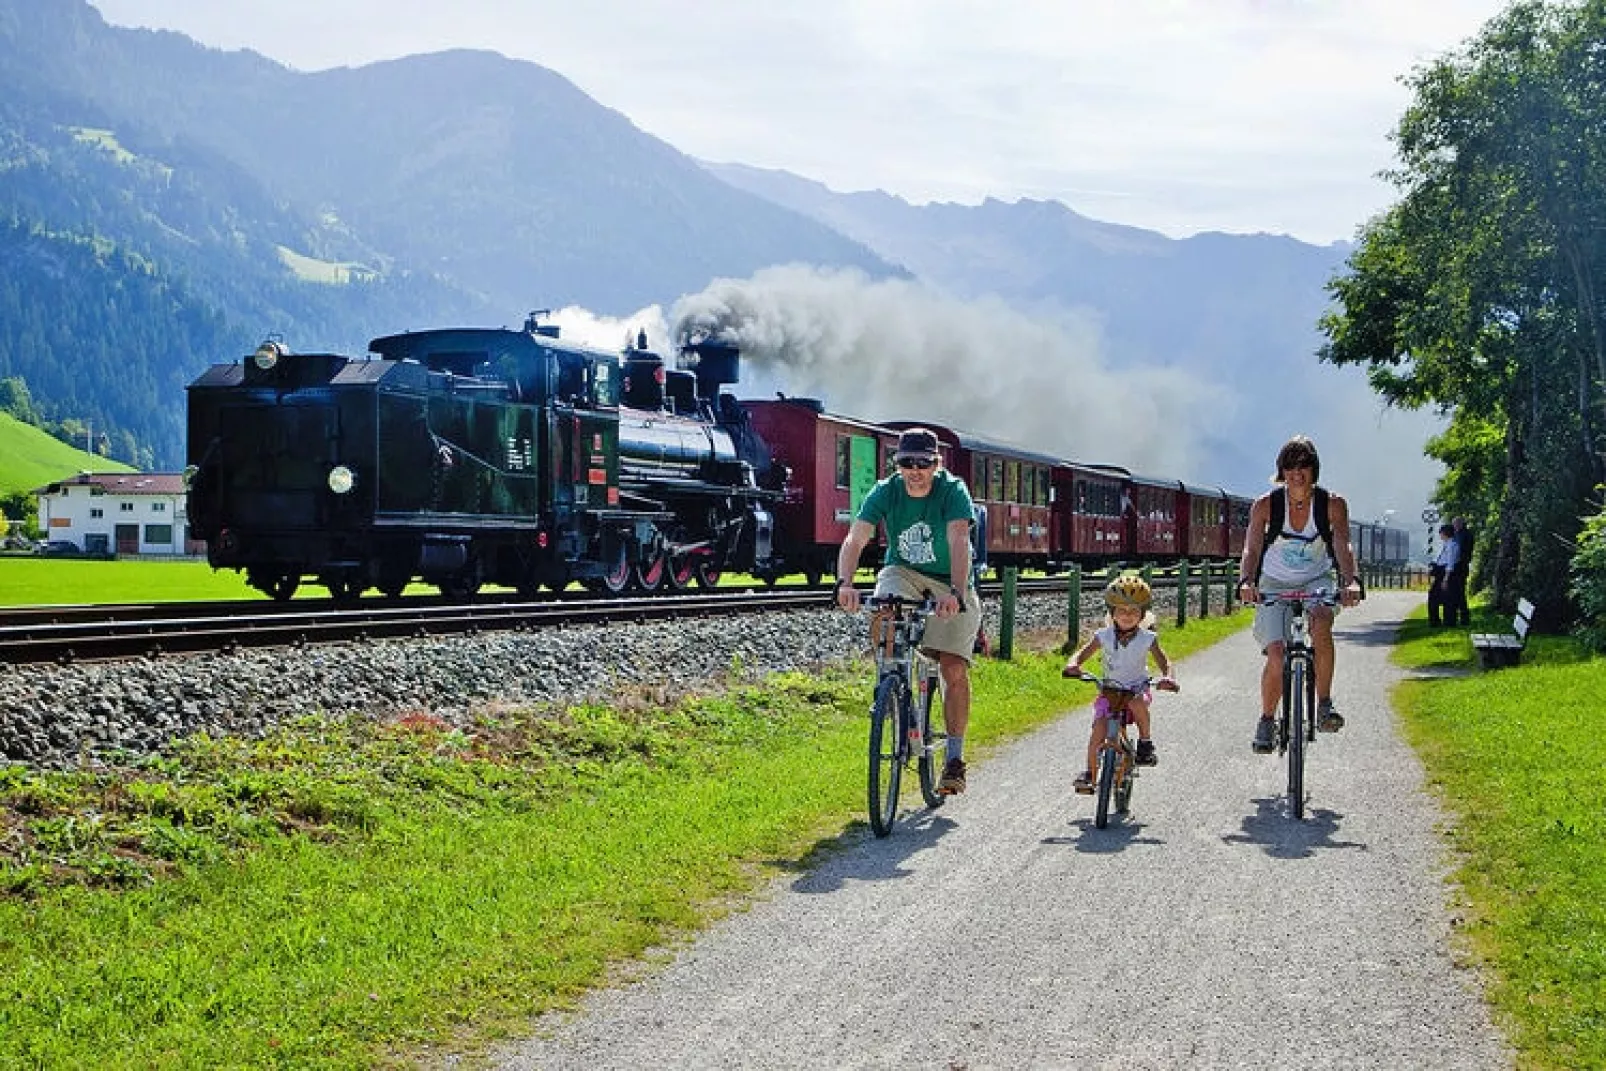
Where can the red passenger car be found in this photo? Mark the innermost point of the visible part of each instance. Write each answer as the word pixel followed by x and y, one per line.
pixel 1206 534
pixel 1087 526
pixel 832 462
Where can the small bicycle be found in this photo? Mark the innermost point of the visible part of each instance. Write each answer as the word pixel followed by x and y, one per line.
pixel 908 687
pixel 1118 755
pixel 1296 726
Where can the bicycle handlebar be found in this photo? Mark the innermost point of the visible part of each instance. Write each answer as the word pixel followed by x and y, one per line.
pixel 926 605
pixel 1324 596
pixel 1165 684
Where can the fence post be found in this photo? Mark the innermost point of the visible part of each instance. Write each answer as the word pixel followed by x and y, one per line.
pixel 1006 621
pixel 1182 592
pixel 1204 589
pixel 1073 612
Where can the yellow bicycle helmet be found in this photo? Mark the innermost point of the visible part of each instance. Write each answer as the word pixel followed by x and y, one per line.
pixel 1128 589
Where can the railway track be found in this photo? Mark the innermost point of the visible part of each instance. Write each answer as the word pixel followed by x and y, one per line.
pixel 33 634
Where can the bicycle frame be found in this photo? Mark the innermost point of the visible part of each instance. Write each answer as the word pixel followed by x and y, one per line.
pixel 1117 758
pixel 908 685
pixel 1296 725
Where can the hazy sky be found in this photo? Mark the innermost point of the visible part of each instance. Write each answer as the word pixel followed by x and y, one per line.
pixel 1175 115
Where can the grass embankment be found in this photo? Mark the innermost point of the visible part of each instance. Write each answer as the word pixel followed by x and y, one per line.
pixel 33 458
pixel 35 581
pixel 1518 756
pixel 27 580
pixel 346 894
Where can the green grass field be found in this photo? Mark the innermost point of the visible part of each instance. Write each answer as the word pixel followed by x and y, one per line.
pixel 1518 755
pixel 27 580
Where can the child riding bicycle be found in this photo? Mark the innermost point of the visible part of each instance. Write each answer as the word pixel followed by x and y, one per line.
pixel 1128 641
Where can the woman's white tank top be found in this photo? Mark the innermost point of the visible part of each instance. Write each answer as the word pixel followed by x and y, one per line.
pixel 1296 558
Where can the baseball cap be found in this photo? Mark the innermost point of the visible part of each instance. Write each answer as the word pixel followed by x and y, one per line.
pixel 917 443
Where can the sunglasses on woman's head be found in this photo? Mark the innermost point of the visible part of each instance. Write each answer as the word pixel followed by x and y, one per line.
pixel 915 463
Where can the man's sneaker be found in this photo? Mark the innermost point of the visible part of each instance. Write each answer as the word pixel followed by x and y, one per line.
pixel 1265 736
pixel 1083 784
pixel 953 778
pixel 1328 720
pixel 1146 755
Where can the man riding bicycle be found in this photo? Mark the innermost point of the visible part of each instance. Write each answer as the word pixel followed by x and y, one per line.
pixel 927 514
pixel 1298 531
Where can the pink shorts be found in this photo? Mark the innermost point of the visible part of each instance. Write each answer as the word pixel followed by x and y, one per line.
pixel 1101 707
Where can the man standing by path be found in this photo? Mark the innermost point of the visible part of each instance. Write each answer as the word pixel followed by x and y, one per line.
pixel 1207 929
pixel 1456 611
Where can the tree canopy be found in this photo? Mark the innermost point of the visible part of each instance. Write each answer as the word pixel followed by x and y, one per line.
pixel 1479 291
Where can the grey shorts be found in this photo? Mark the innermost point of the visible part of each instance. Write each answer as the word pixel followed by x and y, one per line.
pixel 1271 621
pixel 950 635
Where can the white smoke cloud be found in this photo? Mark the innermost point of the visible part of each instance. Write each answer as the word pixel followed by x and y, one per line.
pixel 606 333
pixel 890 349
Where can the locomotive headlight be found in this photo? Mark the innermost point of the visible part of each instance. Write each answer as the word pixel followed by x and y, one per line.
pixel 268 354
pixel 341 479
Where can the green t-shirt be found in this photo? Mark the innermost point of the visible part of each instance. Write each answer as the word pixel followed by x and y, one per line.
pixel 917 528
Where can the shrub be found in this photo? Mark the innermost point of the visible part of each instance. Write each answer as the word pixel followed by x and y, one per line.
pixel 1589 581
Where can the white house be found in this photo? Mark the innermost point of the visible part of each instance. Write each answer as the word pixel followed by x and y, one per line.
pixel 125 512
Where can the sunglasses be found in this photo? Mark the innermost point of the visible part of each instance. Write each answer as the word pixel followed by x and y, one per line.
pixel 915 463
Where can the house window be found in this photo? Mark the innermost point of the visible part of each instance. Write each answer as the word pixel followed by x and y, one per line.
pixel 158 507
pixel 96 513
pixel 126 507
pixel 159 534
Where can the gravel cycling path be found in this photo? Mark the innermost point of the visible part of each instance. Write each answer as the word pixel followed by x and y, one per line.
pixel 1207 929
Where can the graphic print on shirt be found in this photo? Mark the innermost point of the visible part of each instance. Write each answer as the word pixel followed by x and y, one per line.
pixel 1298 553
pixel 916 545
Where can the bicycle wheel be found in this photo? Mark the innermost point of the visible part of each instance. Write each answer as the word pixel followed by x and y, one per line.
pixel 886 770
pixel 1108 755
pixel 1297 716
pixel 1125 775
pixel 931 757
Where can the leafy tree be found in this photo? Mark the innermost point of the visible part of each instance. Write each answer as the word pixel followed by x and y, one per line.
pixel 1480 292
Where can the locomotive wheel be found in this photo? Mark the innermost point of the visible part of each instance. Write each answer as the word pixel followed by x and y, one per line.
pixel 708 572
pixel 649 573
pixel 617 579
pixel 681 573
pixel 459 587
pixel 343 589
pixel 279 587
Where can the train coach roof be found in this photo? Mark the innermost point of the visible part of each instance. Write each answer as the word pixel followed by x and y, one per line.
pixel 1200 489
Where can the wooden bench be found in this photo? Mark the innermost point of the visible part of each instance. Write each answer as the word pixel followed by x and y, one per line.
pixel 1505 648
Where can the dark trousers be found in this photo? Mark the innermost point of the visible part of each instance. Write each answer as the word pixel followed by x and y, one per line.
pixel 1455 599
pixel 1436 595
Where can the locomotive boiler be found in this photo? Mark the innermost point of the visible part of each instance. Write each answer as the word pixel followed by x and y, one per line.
pixel 468 456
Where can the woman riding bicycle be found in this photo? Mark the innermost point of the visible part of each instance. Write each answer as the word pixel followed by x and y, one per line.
pixel 1128 642
pixel 1311 535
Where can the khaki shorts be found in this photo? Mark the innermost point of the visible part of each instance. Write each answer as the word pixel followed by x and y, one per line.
pixel 951 635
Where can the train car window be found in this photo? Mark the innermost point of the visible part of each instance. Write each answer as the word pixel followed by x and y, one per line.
pixel 890 451
pixel 978 486
pixel 995 477
pixel 844 463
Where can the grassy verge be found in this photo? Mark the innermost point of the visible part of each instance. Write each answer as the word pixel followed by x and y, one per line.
pixel 346 894
pixel 1517 755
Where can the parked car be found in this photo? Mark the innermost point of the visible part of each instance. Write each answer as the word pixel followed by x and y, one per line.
pixel 59 548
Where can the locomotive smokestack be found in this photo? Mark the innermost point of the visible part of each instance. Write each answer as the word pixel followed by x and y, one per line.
pixel 714 362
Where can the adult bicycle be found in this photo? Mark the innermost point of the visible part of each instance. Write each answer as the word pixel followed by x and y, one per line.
pixel 908 688
pixel 1118 754
pixel 1296 725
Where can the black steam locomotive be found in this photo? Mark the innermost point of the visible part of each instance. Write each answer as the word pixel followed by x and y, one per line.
pixel 471 456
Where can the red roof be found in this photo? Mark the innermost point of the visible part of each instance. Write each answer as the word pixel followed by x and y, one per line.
pixel 121 483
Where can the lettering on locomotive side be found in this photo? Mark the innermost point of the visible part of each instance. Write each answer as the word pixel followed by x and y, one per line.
pixel 520 454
